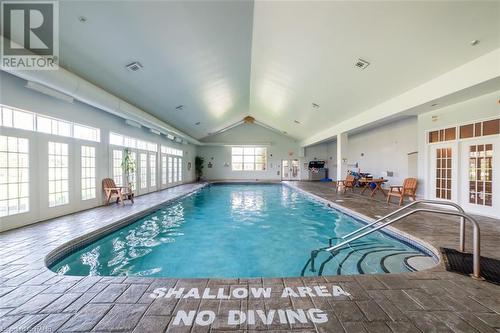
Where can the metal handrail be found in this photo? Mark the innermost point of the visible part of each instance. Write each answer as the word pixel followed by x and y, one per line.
pixel 433 202
pixel 476 237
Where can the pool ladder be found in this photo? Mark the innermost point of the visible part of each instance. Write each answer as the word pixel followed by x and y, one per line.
pixel 347 239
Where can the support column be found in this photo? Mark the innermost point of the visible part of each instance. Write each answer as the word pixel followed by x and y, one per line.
pixel 342 148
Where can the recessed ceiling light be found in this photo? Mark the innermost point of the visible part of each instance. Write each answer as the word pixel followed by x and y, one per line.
pixel 197 123
pixel 134 66
pixel 296 121
pixel 82 19
pixel 435 104
pixel 315 106
pixel 179 107
pixel 474 42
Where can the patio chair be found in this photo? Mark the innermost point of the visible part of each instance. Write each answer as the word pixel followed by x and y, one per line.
pixel 408 189
pixel 348 182
pixel 120 192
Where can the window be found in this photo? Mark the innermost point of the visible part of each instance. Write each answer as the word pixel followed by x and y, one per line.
pixel 171 151
pixel 443 173
pixel 152 170
pixel 129 142
pixel 58 174
pixel 117 167
pixel 170 169
pixel 88 172
pixel 17 119
pixel 443 135
pixel 12 117
pixel 133 175
pixel 248 158
pixel 144 170
pixel 175 170
pixel 481 174
pixel 163 169
pixel 179 170
pixel 53 126
pixel 86 133
pixel 14 175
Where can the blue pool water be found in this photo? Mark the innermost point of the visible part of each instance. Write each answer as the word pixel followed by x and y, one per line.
pixel 237 231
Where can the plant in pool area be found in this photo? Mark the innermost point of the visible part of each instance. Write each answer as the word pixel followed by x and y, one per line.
pixel 198 167
pixel 128 165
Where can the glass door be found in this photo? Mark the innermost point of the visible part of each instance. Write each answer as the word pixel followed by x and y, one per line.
pixel 285 170
pixel 294 170
pixel 479 176
pixel 443 170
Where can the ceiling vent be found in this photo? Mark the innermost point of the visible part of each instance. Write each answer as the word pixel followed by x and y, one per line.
pixel 134 67
pixel 179 108
pixel 361 64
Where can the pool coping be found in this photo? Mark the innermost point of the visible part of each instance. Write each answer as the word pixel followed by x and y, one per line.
pixel 82 241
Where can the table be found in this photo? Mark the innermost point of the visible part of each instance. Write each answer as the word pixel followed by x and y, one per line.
pixel 378 182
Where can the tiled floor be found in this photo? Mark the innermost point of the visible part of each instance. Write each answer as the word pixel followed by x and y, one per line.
pixel 34 299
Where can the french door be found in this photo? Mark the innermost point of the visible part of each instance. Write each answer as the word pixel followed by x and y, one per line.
pixel 443 172
pixel 290 170
pixel 479 176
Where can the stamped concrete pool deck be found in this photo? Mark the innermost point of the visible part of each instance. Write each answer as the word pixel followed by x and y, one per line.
pixel 34 299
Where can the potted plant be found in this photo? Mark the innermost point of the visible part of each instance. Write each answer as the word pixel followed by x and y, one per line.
pixel 198 167
pixel 128 165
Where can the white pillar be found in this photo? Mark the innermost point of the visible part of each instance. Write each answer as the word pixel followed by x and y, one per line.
pixel 342 148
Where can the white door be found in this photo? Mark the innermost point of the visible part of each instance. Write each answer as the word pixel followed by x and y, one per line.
pixel 295 170
pixel 443 172
pixel 285 170
pixel 142 167
pixel 479 176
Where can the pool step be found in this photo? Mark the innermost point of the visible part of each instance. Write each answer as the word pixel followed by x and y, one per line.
pixel 368 258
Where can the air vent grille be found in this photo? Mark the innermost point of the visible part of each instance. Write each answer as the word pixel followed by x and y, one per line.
pixel 361 64
pixel 134 67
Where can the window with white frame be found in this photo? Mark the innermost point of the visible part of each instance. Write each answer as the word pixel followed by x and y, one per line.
pixel 152 170
pixel 129 142
pixel 14 175
pixel 21 119
pixel 248 158
pixel 164 169
pixel 144 170
pixel 117 167
pixel 133 175
pixel 179 169
pixel 58 174
pixel 170 170
pixel 87 160
pixel 175 170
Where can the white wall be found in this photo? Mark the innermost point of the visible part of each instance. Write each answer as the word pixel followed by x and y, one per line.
pixel 281 147
pixel 482 107
pixel 384 148
pixel 13 93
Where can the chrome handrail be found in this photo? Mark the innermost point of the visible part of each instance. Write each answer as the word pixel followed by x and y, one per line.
pixel 432 202
pixel 463 216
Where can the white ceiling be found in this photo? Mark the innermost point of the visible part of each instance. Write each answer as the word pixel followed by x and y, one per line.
pixel 225 60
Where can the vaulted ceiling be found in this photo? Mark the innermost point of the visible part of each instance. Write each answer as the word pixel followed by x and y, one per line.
pixel 269 59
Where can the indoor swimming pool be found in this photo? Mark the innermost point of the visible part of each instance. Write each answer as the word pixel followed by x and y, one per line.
pixel 238 230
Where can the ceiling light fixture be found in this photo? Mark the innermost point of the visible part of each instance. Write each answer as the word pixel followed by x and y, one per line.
pixel 474 42
pixel 361 64
pixel 179 108
pixel 315 106
pixel 435 104
pixel 296 121
pixel 82 19
pixel 197 123
pixel 134 66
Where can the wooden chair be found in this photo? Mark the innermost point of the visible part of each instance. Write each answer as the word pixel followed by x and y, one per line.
pixel 408 189
pixel 348 182
pixel 120 192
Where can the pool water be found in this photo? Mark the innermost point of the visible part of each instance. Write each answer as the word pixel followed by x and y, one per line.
pixel 235 230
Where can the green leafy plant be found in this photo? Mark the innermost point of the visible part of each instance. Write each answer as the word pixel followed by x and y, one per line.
pixel 198 167
pixel 128 165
